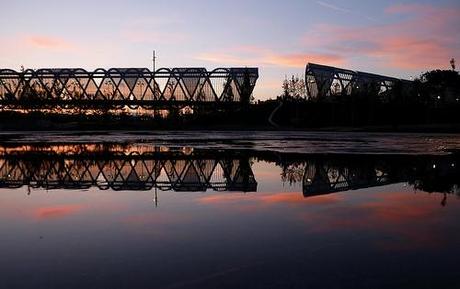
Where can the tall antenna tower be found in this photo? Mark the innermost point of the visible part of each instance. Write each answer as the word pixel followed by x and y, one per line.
pixel 154 58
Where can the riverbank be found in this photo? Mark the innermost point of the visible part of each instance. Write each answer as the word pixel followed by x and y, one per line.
pixel 257 118
pixel 123 125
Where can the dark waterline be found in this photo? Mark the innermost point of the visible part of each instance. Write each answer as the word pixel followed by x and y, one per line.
pixel 267 210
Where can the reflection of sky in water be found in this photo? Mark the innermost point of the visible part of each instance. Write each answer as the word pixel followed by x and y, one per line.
pixel 380 237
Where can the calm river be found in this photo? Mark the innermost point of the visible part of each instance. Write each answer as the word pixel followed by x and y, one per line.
pixel 229 210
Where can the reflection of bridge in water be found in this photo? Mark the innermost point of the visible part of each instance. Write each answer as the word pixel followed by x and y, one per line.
pixel 144 166
pixel 117 168
pixel 331 174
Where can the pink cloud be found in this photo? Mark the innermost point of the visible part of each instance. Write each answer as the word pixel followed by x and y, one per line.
pixel 257 201
pixel 412 53
pixel 426 37
pixel 253 55
pixel 405 221
pixel 296 197
pixel 223 198
pixel 299 60
pixel 48 42
pixel 390 214
pixel 56 211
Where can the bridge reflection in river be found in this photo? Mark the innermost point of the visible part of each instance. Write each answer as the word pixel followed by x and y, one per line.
pixel 177 168
pixel 138 167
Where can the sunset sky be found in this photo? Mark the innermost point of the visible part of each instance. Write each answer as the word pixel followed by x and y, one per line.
pixel 398 38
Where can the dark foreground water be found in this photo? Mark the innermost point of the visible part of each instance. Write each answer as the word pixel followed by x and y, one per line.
pixel 229 210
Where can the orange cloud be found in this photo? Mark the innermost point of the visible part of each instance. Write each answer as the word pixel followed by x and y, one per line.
pixel 47 42
pixel 259 56
pixel 296 197
pixel 224 198
pixel 56 211
pixel 300 60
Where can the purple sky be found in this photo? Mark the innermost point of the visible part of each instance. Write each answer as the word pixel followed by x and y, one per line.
pixel 401 39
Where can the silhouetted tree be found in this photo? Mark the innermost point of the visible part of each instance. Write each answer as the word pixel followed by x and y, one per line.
pixel 439 86
pixel 294 88
pixel 228 94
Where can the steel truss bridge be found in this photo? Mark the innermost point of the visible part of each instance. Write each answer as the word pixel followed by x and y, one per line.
pixel 72 168
pixel 329 83
pixel 126 87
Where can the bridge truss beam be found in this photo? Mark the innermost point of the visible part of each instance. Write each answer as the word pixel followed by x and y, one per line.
pixel 126 87
pixel 329 83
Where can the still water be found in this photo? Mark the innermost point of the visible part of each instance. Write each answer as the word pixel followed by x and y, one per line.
pixel 229 210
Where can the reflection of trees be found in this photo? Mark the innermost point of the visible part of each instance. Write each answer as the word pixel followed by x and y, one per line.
pixel 330 175
pixel 444 179
pixel 446 188
pixel 293 173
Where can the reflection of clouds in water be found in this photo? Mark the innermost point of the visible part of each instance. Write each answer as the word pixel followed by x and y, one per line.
pixel 57 211
pixel 266 200
pixel 402 220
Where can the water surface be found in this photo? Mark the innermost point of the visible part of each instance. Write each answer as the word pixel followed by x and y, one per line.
pixel 267 210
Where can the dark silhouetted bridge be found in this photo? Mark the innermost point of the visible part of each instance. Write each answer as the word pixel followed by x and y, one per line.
pixel 327 83
pixel 126 87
